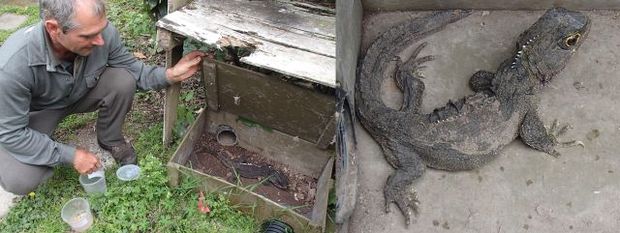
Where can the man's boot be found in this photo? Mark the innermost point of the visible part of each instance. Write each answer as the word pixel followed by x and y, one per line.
pixel 123 154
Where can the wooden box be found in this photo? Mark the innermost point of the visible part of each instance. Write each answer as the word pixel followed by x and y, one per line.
pixel 316 162
pixel 295 42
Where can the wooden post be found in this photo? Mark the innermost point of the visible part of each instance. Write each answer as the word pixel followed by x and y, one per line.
pixel 209 75
pixel 174 5
pixel 173 46
pixel 319 212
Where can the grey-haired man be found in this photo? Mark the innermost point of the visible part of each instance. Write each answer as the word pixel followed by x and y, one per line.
pixel 72 61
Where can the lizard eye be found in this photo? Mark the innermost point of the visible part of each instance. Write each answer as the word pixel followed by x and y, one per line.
pixel 570 41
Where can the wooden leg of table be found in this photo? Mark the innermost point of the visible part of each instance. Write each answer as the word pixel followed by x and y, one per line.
pixel 172 95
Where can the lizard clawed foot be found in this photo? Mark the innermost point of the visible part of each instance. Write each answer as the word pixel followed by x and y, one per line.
pixel 413 66
pixel 572 143
pixel 404 196
pixel 555 131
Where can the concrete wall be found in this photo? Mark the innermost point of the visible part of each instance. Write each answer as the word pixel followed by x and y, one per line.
pixel 391 5
pixel 348 40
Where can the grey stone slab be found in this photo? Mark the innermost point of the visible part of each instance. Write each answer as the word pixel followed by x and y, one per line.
pixel 10 21
pixel 6 202
pixel 522 190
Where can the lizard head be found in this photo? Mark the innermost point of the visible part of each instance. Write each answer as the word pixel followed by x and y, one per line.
pixel 545 48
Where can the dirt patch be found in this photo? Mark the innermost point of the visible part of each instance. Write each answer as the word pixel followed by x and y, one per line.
pixel 301 189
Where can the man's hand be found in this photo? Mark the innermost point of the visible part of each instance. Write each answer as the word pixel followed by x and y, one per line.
pixel 186 67
pixel 85 162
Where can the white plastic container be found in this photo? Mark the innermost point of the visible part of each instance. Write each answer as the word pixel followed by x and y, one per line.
pixel 128 172
pixel 77 214
pixel 94 183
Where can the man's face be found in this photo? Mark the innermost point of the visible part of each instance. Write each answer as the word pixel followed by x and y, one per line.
pixel 82 39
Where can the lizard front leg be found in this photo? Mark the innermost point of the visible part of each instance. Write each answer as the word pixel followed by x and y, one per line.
pixel 399 187
pixel 482 81
pixel 534 134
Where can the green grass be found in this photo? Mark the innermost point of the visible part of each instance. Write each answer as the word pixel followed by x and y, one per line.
pixel 145 205
pixel 72 123
pixel 31 12
pixel 134 23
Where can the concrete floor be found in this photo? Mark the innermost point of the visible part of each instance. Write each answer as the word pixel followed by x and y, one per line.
pixel 523 190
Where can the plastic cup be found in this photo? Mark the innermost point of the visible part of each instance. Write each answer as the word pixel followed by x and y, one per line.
pixel 93 184
pixel 128 172
pixel 77 214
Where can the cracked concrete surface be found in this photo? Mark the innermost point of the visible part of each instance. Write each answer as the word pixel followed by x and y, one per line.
pixel 523 190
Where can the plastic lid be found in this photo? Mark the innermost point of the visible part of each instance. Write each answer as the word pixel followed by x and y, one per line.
pixel 128 172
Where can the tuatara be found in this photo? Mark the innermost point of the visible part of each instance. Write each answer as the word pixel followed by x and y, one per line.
pixel 466 133
pixel 253 171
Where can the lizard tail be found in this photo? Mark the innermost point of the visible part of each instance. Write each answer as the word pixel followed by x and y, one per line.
pixel 383 50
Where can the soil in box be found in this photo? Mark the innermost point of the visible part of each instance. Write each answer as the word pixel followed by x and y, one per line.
pixel 271 179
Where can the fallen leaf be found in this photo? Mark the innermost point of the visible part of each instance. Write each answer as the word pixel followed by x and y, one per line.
pixel 203 207
pixel 139 55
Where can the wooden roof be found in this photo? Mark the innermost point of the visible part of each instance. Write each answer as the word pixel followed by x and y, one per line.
pixel 291 38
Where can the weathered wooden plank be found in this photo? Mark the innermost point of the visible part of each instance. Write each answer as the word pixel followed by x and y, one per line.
pixel 168 40
pixel 273 21
pixel 192 20
pixel 186 147
pixel 209 75
pixel 295 63
pixel 319 211
pixel 273 102
pixel 174 5
pixel 286 38
pixel 172 96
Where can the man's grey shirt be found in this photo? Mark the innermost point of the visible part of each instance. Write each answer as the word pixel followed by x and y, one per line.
pixel 33 79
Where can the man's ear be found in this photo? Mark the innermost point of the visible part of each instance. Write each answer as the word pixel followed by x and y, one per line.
pixel 52 27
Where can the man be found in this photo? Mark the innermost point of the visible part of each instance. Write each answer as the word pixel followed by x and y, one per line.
pixel 71 62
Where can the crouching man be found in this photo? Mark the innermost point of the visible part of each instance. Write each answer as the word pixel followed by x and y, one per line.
pixel 73 61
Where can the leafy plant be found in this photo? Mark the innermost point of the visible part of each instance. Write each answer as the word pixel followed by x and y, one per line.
pixel 157 8
pixel 133 22
pixel 186 113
